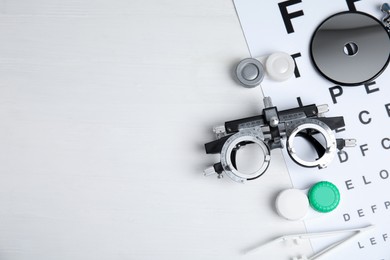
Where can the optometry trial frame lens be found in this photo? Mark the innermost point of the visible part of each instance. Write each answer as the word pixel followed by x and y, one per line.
pixel 350 48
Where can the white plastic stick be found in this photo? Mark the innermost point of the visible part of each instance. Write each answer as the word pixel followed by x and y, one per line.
pixel 324 252
pixel 331 248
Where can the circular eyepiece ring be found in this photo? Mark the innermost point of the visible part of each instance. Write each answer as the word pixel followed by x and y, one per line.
pixel 229 148
pixel 330 147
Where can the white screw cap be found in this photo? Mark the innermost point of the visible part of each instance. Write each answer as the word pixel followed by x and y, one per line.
pixel 292 204
pixel 280 66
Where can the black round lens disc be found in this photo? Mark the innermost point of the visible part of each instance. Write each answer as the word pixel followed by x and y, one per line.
pixel 350 48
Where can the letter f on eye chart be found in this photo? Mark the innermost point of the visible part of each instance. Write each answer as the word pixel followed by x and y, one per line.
pixel 360 172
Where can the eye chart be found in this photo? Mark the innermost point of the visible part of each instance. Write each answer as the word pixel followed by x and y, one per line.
pixel 361 173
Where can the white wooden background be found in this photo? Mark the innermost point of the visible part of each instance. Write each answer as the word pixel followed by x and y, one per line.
pixel 104 110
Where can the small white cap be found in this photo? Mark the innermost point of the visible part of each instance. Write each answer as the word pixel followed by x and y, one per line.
pixel 292 204
pixel 280 66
